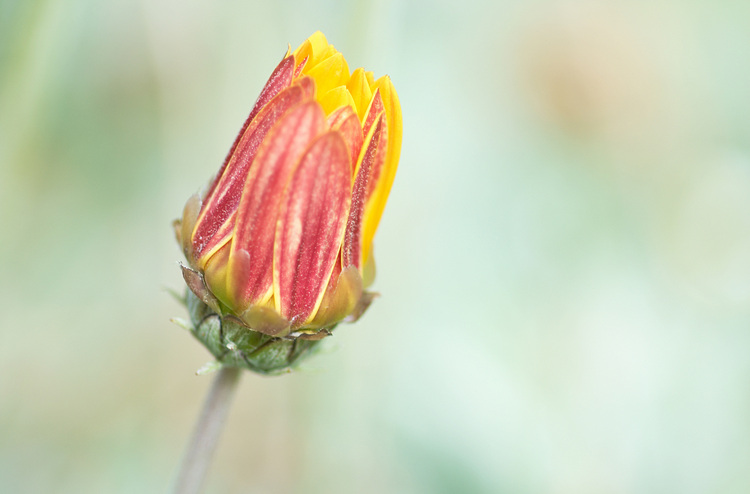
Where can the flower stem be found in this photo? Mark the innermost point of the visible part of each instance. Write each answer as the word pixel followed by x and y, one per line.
pixel 207 431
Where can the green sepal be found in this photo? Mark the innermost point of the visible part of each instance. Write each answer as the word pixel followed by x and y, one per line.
pixel 234 344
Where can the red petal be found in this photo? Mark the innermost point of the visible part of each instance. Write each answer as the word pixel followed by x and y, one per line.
pixel 373 112
pixel 311 227
pixel 220 237
pixel 262 196
pixel 280 79
pixel 308 86
pixel 370 163
pixel 220 206
pixel 346 121
pixel 300 66
pixel 338 116
pixel 379 158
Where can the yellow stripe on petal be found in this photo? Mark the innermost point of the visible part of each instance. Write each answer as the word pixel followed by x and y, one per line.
pixel 330 73
pixel 341 296
pixel 376 203
pixel 336 98
pixel 360 90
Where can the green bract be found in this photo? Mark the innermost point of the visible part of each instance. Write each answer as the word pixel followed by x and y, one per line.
pixel 235 345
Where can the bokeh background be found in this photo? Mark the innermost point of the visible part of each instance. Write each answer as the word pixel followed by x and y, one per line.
pixel 564 263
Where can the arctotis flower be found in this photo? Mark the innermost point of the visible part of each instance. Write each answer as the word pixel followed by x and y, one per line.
pixel 279 246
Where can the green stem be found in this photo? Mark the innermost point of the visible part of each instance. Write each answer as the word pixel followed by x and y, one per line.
pixel 207 431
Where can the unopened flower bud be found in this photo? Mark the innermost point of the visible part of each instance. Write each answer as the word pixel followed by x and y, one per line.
pixel 279 247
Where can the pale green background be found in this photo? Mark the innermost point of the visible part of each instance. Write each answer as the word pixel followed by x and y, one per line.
pixel 564 262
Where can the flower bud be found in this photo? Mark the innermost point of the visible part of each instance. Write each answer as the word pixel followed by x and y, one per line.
pixel 279 246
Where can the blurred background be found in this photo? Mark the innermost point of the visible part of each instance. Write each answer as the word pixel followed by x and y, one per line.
pixel 564 263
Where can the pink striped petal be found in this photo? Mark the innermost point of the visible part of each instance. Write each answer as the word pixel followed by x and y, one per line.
pixel 346 121
pixel 280 79
pixel 263 192
pixel 337 117
pixel 311 227
pixel 373 112
pixel 307 84
pixel 377 168
pixel 219 238
pixel 219 207
pixel 370 162
pixel 300 66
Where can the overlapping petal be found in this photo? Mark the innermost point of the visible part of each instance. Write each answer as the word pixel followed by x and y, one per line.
pixel 222 203
pixel 382 186
pixel 310 228
pixel 282 238
pixel 370 161
pixel 250 280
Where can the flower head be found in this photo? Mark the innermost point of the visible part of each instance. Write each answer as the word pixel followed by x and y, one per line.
pixel 280 243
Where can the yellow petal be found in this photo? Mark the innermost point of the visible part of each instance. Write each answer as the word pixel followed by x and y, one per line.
pixel 340 299
pixel 360 91
pixel 330 73
pixel 368 272
pixel 265 320
pixel 303 51
pixel 215 274
pixel 336 98
pixel 370 79
pixel 325 53
pixel 187 225
pixel 314 48
pixel 376 204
